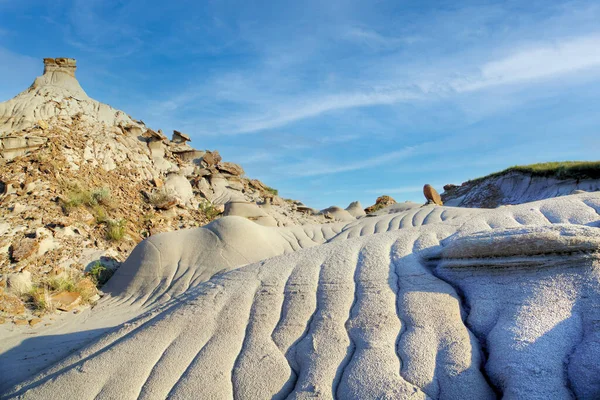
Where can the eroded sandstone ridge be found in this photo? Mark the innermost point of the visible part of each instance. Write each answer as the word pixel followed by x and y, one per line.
pixel 418 302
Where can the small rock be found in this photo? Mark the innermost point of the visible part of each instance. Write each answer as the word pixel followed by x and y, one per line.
pixel 2 320
pixel 66 301
pixel 450 186
pixel 20 322
pixel 11 304
pixel 157 182
pixel 34 321
pixel 42 124
pixel 24 249
pixel 432 195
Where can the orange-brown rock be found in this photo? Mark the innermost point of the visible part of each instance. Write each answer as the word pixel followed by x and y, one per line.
pixel 23 249
pixel 11 304
pixel 230 168
pixel 20 322
pixel 211 158
pixel 432 195
pixel 86 287
pixel 34 321
pixel 381 202
pixel 66 301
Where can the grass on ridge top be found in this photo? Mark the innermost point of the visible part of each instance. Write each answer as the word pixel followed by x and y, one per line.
pixel 555 169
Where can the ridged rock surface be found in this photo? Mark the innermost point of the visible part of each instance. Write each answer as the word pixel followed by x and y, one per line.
pixel 425 302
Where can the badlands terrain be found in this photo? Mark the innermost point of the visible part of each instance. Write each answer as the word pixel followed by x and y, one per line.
pixel 222 289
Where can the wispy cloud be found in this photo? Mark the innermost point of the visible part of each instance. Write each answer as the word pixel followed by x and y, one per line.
pixel 375 40
pixel 317 167
pixel 539 62
pixel 524 66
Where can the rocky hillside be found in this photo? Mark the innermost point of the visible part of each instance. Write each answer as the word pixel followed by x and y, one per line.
pixel 522 184
pixel 81 183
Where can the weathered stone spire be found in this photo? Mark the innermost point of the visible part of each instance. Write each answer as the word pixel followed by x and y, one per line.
pixel 66 65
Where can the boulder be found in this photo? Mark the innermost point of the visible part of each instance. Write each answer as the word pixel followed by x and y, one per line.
pixel 230 168
pixel 180 138
pixel 180 187
pixel 20 283
pixel 432 195
pixel 211 158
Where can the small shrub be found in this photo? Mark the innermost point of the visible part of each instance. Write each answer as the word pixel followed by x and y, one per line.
pixel 115 229
pixel 274 192
pixel 100 196
pixel 78 196
pixel 100 214
pixel 60 283
pixel 39 297
pixel 209 210
pixel 160 198
pixel 100 274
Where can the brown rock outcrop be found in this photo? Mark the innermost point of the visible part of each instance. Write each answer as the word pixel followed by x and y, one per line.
pixel 230 168
pixel 381 202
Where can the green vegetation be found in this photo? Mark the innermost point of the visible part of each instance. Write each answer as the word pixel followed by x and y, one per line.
pixel 160 198
pixel 100 274
pixel 115 229
pixel 558 169
pixel 78 195
pixel 274 192
pixel 40 296
pixel 208 209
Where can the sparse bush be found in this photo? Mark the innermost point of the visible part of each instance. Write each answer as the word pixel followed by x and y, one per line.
pixel 115 229
pixel 161 198
pixel 100 214
pixel 78 196
pixel 40 298
pixel 274 192
pixel 209 210
pixel 100 274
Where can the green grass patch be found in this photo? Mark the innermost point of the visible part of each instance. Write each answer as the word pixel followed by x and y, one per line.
pixel 115 229
pixel 556 169
pixel 78 196
pixel 274 192
pixel 100 274
pixel 208 209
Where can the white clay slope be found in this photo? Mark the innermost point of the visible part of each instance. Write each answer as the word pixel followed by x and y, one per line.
pixel 426 302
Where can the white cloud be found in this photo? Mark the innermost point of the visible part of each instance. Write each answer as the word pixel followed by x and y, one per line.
pixel 316 167
pixel 524 67
pixel 541 62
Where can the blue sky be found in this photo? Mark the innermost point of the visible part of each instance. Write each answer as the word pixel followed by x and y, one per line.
pixel 334 101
